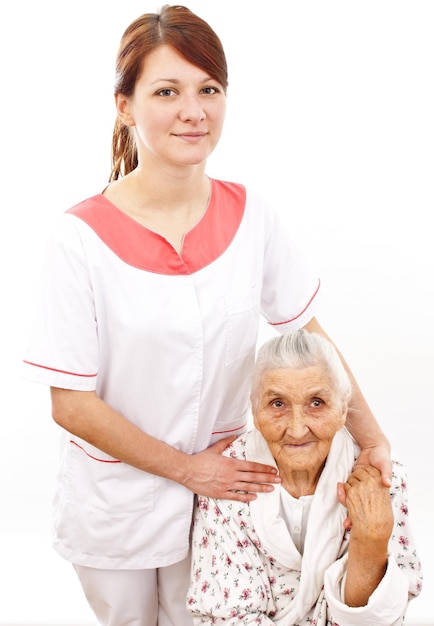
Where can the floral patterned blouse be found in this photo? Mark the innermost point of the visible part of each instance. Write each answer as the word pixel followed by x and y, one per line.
pixel 246 569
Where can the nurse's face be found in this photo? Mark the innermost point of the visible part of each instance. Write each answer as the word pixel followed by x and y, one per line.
pixel 177 110
pixel 298 413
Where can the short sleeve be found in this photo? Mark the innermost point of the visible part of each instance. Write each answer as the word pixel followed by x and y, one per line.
pixel 291 285
pixel 62 348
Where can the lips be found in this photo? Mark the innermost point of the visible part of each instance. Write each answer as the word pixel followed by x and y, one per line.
pixel 192 137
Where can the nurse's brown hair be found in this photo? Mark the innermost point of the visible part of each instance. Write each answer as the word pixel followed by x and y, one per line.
pixel 189 35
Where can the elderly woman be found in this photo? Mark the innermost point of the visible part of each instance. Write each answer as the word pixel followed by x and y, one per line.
pixel 321 548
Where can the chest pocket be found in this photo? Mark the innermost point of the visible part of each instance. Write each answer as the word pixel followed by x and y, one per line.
pixel 243 311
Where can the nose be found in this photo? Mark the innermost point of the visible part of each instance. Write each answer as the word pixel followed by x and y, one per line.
pixel 191 109
pixel 296 425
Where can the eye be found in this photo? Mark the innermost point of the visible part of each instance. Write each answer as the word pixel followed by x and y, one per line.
pixel 165 92
pixel 277 403
pixel 210 91
pixel 317 402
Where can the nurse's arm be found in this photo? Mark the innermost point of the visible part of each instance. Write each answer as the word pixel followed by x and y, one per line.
pixel 362 424
pixel 84 414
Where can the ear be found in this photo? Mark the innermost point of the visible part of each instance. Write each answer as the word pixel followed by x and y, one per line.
pixel 343 418
pixel 123 108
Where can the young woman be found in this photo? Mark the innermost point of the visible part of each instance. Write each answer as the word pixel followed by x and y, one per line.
pixel 147 328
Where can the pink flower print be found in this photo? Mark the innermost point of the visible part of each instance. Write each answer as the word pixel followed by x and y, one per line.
pixel 226 593
pixel 197 574
pixel 404 509
pixel 228 561
pixel 205 586
pixel 403 541
pixel 203 504
pixel 204 542
pixel 288 592
pixel 246 594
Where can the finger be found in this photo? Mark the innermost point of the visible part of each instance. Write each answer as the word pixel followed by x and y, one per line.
pixel 362 473
pixel 362 466
pixel 386 478
pixel 239 496
pixel 253 468
pixel 341 493
pixel 257 478
pixel 253 487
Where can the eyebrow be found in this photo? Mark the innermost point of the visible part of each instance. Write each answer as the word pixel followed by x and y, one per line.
pixel 272 392
pixel 176 81
pixel 321 392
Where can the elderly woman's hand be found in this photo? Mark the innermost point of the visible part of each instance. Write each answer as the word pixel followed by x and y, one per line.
pixel 368 504
pixel 378 457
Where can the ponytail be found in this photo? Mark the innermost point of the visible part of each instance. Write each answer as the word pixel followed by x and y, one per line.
pixel 124 151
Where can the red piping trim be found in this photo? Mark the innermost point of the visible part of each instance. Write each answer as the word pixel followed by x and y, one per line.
pixel 53 369
pixel 232 430
pixel 301 313
pixel 93 457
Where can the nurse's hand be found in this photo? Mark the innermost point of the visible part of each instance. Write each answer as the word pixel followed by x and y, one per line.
pixel 378 456
pixel 216 476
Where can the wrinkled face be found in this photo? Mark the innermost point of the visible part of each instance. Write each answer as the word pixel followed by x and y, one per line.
pixel 298 413
pixel 177 110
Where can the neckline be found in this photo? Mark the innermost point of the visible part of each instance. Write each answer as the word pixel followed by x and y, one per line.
pixel 123 214
pixel 145 249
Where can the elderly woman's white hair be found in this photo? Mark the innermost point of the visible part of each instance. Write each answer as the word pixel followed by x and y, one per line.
pixel 299 349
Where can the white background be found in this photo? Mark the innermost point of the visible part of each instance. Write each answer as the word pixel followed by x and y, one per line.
pixel 330 115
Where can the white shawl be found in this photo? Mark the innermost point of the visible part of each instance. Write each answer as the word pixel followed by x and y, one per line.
pixel 325 524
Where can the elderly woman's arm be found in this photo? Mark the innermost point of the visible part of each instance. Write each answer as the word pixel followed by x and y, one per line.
pixel 364 585
pixel 361 422
pixel 370 511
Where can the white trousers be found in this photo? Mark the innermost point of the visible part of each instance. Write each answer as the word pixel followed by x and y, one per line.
pixel 150 597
